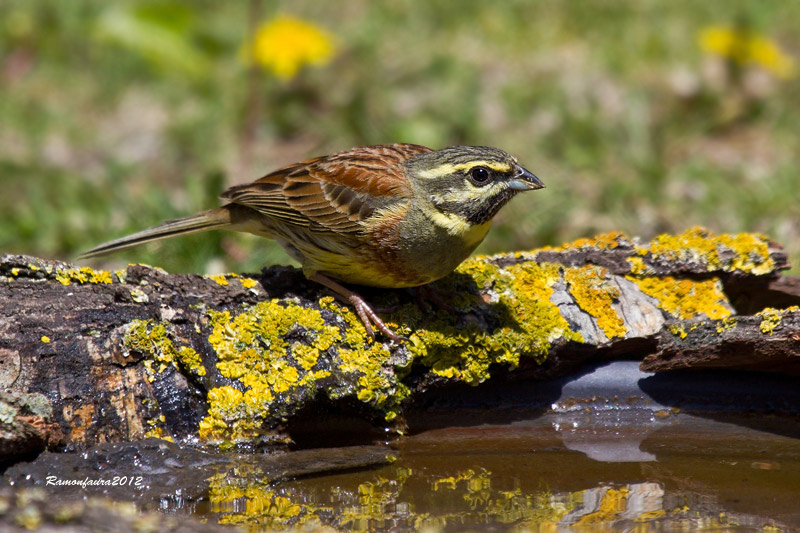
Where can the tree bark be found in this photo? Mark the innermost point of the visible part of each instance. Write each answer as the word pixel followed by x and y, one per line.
pixel 235 360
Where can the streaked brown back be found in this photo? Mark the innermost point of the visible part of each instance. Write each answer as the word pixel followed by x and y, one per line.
pixel 335 192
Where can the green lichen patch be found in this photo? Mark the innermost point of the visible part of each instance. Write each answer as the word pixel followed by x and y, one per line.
pixel 726 324
pixel 516 299
pixel 152 337
pixel 686 298
pixel 772 319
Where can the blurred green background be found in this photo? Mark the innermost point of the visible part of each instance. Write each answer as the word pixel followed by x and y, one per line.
pixel 640 116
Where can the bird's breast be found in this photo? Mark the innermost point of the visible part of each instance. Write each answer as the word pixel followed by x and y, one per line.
pixel 423 246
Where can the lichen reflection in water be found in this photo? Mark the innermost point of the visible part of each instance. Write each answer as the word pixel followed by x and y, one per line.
pixel 401 498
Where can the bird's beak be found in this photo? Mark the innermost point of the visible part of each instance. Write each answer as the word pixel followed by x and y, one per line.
pixel 524 180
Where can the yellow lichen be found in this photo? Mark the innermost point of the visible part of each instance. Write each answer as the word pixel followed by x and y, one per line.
pixel 224 279
pixel 375 385
pixel 156 429
pixel 227 414
pixel 355 334
pixel 306 355
pixel 593 293
pixel 221 279
pixel 685 298
pixel 252 348
pixel 678 330
pixel 276 351
pixel 191 360
pixel 770 319
pixel 613 503
pixel 45 339
pixel 248 283
pixel 82 275
pixel 744 252
pixel 637 265
pixel 264 506
pixel 158 433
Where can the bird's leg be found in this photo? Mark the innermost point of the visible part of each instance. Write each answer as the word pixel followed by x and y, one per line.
pixel 363 310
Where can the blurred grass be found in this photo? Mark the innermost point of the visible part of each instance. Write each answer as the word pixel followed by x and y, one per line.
pixel 116 116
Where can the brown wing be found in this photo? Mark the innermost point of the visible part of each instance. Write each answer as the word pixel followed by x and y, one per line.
pixel 335 192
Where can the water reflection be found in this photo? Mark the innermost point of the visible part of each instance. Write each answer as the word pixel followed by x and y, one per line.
pixel 610 449
pixel 685 473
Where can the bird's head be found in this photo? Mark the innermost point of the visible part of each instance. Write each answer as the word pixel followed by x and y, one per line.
pixel 469 183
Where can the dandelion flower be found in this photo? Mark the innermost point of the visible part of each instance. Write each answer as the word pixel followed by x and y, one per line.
pixel 747 48
pixel 285 44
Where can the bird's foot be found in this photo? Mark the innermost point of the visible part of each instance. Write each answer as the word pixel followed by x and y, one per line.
pixel 365 313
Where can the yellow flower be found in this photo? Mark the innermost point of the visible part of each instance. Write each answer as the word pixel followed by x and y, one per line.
pixel 285 44
pixel 746 47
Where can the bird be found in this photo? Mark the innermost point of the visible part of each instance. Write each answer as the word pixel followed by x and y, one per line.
pixel 387 216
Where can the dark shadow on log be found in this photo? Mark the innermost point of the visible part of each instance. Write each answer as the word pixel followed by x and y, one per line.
pixel 749 296
pixel 326 424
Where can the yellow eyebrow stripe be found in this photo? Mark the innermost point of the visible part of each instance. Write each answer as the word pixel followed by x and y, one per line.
pixel 449 168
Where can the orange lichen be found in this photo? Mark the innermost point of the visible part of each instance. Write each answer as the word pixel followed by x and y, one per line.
pixel 593 292
pixel 604 241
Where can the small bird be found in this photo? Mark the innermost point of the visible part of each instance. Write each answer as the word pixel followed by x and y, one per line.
pixel 393 216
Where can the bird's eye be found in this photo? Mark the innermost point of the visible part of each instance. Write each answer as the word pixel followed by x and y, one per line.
pixel 480 176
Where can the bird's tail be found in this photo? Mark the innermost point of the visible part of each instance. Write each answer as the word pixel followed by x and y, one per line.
pixel 219 218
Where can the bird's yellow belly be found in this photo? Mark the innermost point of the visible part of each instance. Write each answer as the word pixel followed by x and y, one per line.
pixel 424 254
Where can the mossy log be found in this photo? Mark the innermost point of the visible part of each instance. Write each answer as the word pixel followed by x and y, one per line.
pixel 235 359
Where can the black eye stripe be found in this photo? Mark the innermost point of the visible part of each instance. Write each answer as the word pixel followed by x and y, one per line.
pixel 478 212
